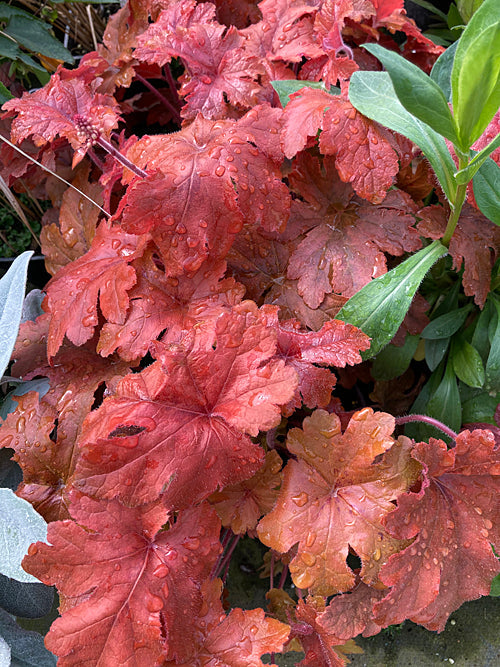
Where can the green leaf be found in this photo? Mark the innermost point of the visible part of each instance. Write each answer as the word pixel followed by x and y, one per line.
pixel 445 403
pixel 34 36
pixel 492 380
pixel 467 8
pixel 372 93
pixel 380 306
pixel 417 92
pixel 480 338
pixel 475 78
pixel 441 71
pixel 20 526
pixel 466 174
pixel 467 363
pixel 486 185
pixel 392 361
pixel 480 406
pixel 12 287
pixel 5 94
pixel 435 351
pixel 446 325
pixel 290 86
pixel 495 586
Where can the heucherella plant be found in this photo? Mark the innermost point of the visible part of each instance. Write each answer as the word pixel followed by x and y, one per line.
pixel 221 256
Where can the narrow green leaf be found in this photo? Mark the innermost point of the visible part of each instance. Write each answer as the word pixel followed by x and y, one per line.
pixel 441 71
pixel 417 92
pixel 475 77
pixel 492 380
pixel 12 287
pixel 372 93
pixel 467 363
pixel 5 94
pixel 379 308
pixel 20 526
pixel 392 361
pixel 36 38
pixel 480 338
pixel 435 351
pixel 290 86
pixel 445 403
pixel 467 8
pixel 465 175
pixel 486 185
pixel 446 325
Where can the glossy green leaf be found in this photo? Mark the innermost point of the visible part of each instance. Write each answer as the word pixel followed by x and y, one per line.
pixel 446 325
pixel 486 185
pixel 480 339
pixel 477 405
pixel 445 403
pixel 392 361
pixel 34 37
pixel 372 93
pixel 12 287
pixel 417 92
pixel 441 71
pixel 379 308
pixel 20 526
pixel 289 87
pixel 492 380
pixel 467 363
pixel 435 351
pixel 420 431
pixel 475 78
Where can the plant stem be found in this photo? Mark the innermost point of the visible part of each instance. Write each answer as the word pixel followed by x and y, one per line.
pixel 120 157
pixel 427 420
pixel 171 83
pixel 162 99
pixel 456 206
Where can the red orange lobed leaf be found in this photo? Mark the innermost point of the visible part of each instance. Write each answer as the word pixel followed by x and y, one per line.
pixel 236 640
pixel 475 245
pixel 321 646
pixel 64 107
pixel 105 275
pixel 130 588
pixel 345 245
pixel 43 430
pixel 240 506
pixel 213 177
pixel 175 304
pixel 334 497
pixel 365 152
pixel 351 614
pixel 453 521
pixel 189 413
pixel 217 66
pixel 335 344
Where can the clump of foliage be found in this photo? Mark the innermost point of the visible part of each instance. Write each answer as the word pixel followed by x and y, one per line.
pixel 212 280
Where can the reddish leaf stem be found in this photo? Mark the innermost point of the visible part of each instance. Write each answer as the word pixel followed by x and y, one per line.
pixel 160 97
pixel 120 157
pixel 283 577
pixel 271 571
pixel 227 557
pixel 171 83
pixel 427 420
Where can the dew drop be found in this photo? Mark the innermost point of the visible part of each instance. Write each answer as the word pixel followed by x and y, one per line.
pixel 377 554
pixel 160 571
pixel 118 567
pixel 310 540
pixel 308 559
pixel 220 170
pixel 154 603
pixel 301 499
pixel 488 524
pixel 192 544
